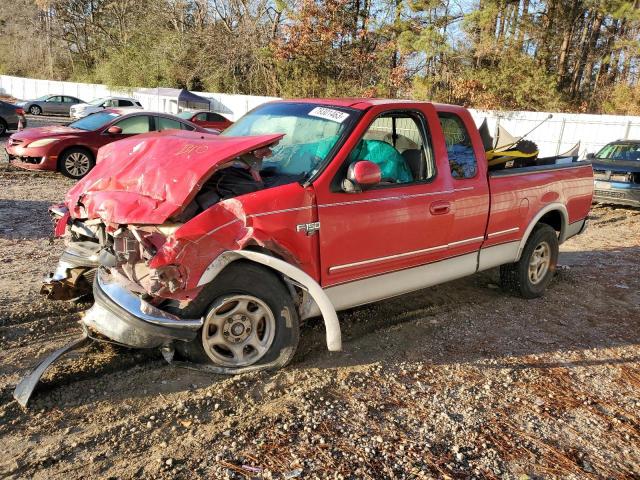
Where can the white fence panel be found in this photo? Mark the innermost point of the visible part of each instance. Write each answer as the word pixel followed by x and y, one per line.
pixel 554 136
pixel 28 88
pixel 563 130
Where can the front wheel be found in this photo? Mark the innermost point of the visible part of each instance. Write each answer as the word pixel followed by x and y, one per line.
pixel 531 275
pixel 75 163
pixel 250 321
pixel 35 110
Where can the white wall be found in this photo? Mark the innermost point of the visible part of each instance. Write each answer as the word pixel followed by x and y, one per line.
pixel 27 88
pixel 555 136
pixel 563 130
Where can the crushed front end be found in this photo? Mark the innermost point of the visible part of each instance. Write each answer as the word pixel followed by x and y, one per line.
pixel 126 318
pixel 75 272
pixel 132 298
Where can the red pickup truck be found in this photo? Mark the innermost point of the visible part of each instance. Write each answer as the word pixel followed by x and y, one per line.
pixel 221 246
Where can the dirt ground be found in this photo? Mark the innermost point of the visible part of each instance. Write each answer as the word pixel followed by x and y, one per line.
pixel 457 381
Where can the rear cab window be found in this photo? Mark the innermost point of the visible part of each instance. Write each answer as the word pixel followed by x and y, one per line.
pixel 462 158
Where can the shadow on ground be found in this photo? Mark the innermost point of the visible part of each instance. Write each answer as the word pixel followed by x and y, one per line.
pixel 24 219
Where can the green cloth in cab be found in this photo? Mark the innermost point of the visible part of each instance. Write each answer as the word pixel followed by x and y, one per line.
pixel 391 163
pixel 302 157
pixel 306 156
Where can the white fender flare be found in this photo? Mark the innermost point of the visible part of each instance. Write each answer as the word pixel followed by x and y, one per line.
pixel 546 209
pixel 331 323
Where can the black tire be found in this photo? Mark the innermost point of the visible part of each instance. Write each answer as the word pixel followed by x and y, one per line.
pixel 3 127
pixel 526 146
pixel 247 278
pixel 35 110
pixel 517 277
pixel 67 157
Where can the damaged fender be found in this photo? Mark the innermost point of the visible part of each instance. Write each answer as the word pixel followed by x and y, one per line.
pixel 331 323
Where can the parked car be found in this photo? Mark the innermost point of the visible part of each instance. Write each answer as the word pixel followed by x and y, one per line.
pixel 10 117
pixel 84 109
pixel 72 149
pixel 616 172
pixel 220 245
pixel 50 104
pixel 207 119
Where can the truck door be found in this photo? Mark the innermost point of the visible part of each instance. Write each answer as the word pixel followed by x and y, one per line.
pixel 467 167
pixel 400 223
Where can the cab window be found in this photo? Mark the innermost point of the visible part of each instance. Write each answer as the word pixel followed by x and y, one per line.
pixel 462 158
pixel 214 117
pixel 134 125
pixel 168 123
pixel 398 144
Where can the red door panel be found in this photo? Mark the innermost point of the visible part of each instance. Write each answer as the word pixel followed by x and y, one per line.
pixel 384 229
pixel 470 203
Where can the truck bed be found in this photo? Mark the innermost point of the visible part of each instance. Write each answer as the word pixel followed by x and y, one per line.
pixel 518 194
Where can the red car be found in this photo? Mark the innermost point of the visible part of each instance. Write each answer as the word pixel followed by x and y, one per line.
pixel 301 208
pixel 207 119
pixel 72 149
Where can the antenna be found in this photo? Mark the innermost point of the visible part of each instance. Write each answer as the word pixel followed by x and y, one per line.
pixel 506 147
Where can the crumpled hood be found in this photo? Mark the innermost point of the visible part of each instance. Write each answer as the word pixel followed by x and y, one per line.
pixel 149 178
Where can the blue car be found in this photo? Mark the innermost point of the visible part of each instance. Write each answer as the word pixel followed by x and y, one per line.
pixel 616 173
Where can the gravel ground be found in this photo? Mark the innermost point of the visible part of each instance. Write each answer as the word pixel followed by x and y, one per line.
pixel 457 381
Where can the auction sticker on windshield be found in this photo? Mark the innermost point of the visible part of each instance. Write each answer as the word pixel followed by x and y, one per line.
pixel 329 114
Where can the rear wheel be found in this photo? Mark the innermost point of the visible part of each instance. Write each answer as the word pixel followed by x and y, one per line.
pixel 35 110
pixel 75 163
pixel 250 321
pixel 531 275
pixel 3 127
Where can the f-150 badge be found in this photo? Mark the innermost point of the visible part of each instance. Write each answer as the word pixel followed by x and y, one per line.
pixel 308 228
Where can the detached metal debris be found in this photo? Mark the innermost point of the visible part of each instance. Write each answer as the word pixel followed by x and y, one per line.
pixel 27 385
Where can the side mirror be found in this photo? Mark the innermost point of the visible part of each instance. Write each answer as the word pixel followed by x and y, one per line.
pixel 362 174
pixel 114 130
pixel 591 156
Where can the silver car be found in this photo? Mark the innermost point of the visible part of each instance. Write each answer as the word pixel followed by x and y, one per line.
pixel 10 117
pixel 50 104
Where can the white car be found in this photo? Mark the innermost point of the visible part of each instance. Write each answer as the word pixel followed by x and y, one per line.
pixel 83 109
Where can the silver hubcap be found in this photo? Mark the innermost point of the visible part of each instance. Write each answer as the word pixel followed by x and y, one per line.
pixel 539 262
pixel 77 164
pixel 238 331
pixel 35 110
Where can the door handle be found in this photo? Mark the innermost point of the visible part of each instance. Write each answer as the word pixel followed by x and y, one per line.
pixel 440 208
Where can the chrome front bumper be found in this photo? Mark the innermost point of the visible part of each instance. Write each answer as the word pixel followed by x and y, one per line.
pixel 125 318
